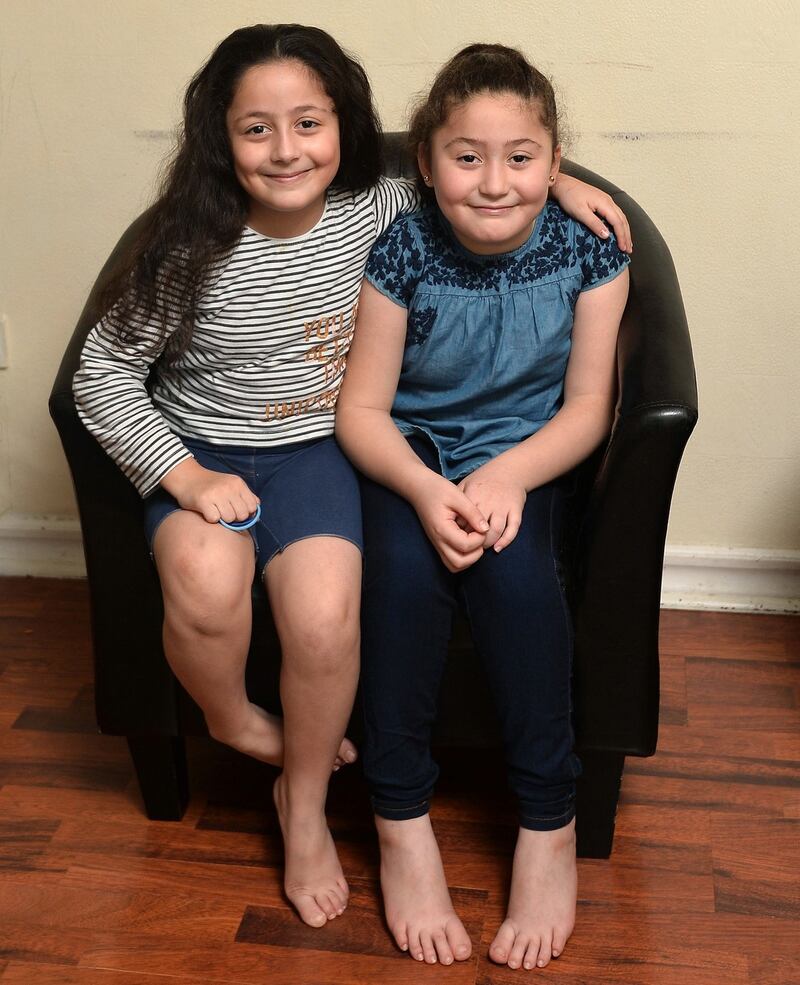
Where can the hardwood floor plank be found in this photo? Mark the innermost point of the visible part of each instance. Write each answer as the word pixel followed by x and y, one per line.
pixel 701 888
pixel 26 974
pixel 362 932
pixel 757 866
pixel 747 743
pixel 167 914
pixel 251 964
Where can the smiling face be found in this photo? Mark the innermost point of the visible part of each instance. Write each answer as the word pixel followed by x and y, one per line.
pixel 490 166
pixel 284 137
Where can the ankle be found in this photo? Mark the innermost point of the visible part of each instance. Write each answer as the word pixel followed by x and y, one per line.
pixel 394 833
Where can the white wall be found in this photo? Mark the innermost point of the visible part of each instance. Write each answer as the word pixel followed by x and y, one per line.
pixel 690 106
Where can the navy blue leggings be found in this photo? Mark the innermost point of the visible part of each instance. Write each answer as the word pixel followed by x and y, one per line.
pixel 521 628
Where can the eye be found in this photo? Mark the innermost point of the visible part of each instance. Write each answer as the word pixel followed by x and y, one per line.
pixel 469 158
pixel 519 158
pixel 308 124
pixel 258 129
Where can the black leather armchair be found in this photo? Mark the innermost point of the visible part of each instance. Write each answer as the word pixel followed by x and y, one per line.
pixel 614 545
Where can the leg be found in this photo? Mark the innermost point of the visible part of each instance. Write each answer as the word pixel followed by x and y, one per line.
pixel 408 606
pixel 206 572
pixel 521 627
pixel 314 588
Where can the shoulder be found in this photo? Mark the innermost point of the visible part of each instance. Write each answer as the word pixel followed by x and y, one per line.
pixel 565 244
pixel 599 259
pixel 406 233
pixel 397 259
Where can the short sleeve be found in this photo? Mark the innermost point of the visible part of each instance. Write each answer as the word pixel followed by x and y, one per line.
pixel 601 260
pixel 396 262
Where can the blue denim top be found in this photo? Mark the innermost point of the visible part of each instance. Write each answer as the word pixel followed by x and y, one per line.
pixel 488 337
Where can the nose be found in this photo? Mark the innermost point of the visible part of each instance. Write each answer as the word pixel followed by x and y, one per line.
pixel 494 182
pixel 283 147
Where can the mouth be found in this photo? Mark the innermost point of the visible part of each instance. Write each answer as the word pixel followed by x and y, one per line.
pixel 287 178
pixel 490 210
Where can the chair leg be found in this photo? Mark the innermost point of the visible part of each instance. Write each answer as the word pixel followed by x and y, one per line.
pixel 160 763
pixel 598 793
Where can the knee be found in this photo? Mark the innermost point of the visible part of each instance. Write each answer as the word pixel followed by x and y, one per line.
pixel 322 639
pixel 204 589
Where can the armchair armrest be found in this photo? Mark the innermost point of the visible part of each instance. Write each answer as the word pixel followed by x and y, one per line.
pixel 622 540
pixel 135 693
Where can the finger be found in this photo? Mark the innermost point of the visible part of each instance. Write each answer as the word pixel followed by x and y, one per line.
pixel 595 224
pixel 512 529
pixel 616 218
pixel 455 561
pixel 497 524
pixel 467 510
pixel 227 511
pixel 458 540
pixel 210 513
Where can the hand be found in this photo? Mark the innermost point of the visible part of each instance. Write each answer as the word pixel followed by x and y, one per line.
pixel 215 495
pixel 453 524
pixel 587 203
pixel 500 497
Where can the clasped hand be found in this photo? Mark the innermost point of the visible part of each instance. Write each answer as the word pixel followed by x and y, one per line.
pixel 462 521
pixel 500 497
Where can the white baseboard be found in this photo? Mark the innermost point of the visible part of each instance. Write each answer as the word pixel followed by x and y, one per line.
pixel 737 579
pixel 43 546
pixel 733 579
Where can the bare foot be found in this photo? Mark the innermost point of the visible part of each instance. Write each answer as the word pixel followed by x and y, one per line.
pixel 260 735
pixel 313 878
pixel 419 910
pixel 544 890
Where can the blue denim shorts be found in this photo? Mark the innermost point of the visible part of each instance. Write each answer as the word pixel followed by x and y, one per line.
pixel 307 489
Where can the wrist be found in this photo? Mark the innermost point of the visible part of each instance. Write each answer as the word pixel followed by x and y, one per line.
pixel 180 476
pixel 416 482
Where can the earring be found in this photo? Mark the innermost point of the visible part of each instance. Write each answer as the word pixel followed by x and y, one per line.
pixel 552 178
pixel 426 178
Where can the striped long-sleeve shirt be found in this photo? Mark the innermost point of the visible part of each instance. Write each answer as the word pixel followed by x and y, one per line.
pixel 268 349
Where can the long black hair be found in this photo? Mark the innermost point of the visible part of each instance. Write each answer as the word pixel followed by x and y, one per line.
pixel 200 210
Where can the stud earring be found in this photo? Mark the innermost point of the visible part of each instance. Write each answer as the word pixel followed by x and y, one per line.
pixel 552 178
pixel 426 178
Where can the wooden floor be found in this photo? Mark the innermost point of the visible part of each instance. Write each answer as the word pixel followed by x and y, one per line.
pixel 703 886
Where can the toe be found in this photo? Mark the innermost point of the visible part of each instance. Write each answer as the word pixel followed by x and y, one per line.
pixel 545 950
pixel 532 954
pixel 348 751
pixel 400 934
pixel 309 911
pixel 336 903
pixel 458 939
pixel 323 901
pixel 337 899
pixel 501 946
pixel 517 952
pixel 443 951
pixel 414 945
pixel 428 950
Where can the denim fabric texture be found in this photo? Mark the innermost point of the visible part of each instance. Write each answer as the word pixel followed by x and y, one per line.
pixel 488 337
pixel 307 489
pixel 521 627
